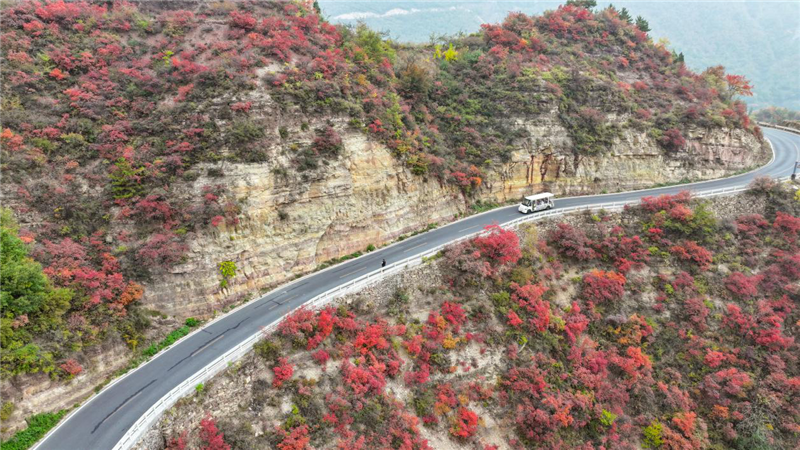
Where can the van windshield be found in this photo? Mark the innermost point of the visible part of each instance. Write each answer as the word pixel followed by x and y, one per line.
pixel 527 202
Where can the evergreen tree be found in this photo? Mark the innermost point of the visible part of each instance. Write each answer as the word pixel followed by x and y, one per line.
pixel 625 15
pixel 588 4
pixel 642 24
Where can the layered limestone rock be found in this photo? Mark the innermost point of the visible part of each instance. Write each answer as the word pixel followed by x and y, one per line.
pixel 635 161
pixel 292 222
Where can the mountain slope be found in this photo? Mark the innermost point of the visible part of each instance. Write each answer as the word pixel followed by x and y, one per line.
pixel 708 33
pixel 147 144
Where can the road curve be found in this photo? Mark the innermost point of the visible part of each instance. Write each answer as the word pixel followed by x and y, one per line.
pixel 103 420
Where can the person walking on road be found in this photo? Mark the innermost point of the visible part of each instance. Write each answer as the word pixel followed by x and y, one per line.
pixel 383 264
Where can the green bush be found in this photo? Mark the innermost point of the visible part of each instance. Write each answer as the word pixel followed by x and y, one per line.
pixel 166 342
pixel 607 418
pixel 38 426
pixel 267 349
pixel 25 290
pixel 651 436
pixel 6 410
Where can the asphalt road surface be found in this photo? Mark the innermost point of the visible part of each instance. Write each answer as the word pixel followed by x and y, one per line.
pixel 102 422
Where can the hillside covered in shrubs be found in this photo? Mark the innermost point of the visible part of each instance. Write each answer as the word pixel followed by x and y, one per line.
pixel 110 110
pixel 671 325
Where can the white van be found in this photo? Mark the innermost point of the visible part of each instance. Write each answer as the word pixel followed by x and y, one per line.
pixel 538 202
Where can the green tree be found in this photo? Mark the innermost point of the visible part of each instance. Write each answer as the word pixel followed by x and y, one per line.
pixel 125 179
pixel 642 24
pixel 414 79
pixel 588 4
pixel 228 270
pixel 29 303
pixel 625 15
pixel 373 44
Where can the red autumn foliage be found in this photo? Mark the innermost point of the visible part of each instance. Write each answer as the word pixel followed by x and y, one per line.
pixel 283 371
pixel 743 286
pixel 600 286
pixel 572 242
pixel 466 423
pixel 499 245
pixel 295 439
pixel 211 436
pixel 529 299
pixel 691 251
pixel 673 139
pixel 788 225
pixel 71 367
pixel 665 202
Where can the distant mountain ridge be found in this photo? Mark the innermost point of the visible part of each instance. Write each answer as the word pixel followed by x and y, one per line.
pixel 760 40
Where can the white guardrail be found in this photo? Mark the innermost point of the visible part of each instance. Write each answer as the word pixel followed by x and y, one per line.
pixel 145 421
pixel 769 125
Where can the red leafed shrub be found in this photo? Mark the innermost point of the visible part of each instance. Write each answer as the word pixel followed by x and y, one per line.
pixel 162 251
pixel 211 436
pixel 751 225
pixel 454 313
pixel 696 312
pixel 743 286
pixel 627 253
pixel 324 327
pixel 529 297
pixel 321 357
pixel 420 376
pixel 714 358
pixel 178 443
pixel 575 322
pixel 691 251
pixel 685 422
pixel 528 381
pixel 295 439
pixel 572 242
pixel 513 319
pixel 681 213
pixel 363 380
pixel 71 367
pixel 738 320
pixel 283 371
pixel 467 260
pixel 769 332
pixel 788 225
pixel 665 202
pixel 243 20
pixel 242 106
pixel 719 386
pixel 600 286
pixel 300 321
pixel 371 337
pixel 672 139
pixel 466 423
pixel 499 245
pixel 327 142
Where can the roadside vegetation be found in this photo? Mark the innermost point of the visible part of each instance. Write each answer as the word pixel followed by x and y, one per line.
pixel 664 326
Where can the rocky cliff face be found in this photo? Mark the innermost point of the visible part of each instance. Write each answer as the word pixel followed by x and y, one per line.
pixel 291 222
pixel 636 161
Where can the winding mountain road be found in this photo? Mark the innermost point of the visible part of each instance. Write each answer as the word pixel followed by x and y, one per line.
pixel 102 421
